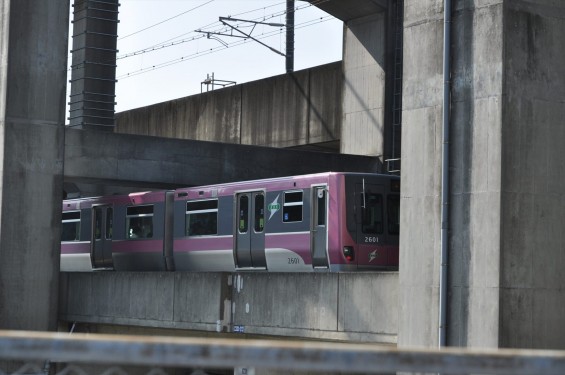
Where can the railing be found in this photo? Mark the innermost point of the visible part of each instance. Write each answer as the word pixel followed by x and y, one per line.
pixel 56 350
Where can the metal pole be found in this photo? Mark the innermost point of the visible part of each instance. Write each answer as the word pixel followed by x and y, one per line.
pixel 290 36
pixel 445 174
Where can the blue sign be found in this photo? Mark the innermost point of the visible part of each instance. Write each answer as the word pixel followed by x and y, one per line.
pixel 239 329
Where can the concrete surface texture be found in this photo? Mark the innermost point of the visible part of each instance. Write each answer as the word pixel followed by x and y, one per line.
pixel 32 92
pixel 135 160
pixel 364 86
pixel 533 203
pixel 506 198
pixel 287 110
pixel 321 305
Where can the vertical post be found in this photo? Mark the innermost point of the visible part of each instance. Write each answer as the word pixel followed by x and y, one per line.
pixel 289 36
pixel 33 74
pixel 445 175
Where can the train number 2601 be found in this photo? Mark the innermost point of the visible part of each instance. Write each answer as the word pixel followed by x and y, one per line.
pixel 371 239
pixel 294 260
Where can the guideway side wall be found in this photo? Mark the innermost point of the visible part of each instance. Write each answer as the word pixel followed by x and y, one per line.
pixel 330 306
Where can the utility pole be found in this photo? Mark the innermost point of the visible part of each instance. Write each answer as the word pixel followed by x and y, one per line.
pixel 289 36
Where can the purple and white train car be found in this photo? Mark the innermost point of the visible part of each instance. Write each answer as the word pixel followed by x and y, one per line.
pixel 326 221
pixel 119 232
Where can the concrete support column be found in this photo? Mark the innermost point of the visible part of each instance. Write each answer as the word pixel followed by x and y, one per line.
pixel 364 86
pixel 507 174
pixel 532 259
pixel 33 53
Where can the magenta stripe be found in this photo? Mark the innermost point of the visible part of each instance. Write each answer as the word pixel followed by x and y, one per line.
pixel 75 248
pixel 203 243
pixel 137 246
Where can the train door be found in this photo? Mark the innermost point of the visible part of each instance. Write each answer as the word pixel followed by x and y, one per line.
pixel 250 230
pixel 370 225
pixel 101 241
pixel 319 227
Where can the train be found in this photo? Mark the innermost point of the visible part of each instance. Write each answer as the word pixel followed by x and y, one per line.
pixel 333 222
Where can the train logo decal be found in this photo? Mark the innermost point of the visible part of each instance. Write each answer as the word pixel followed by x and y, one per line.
pixel 274 207
pixel 372 255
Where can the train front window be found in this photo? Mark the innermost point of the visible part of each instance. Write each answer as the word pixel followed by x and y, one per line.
pixel 71 226
pixel 393 214
pixel 202 218
pixel 139 222
pixel 372 217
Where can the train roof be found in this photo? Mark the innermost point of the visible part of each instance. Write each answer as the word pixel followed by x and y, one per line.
pixel 287 182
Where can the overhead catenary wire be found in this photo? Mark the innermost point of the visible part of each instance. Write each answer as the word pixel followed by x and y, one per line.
pixel 217 49
pixel 173 42
pixel 166 20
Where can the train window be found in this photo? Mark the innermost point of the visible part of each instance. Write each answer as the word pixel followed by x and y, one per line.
pixel 202 218
pixel 243 214
pixel 372 218
pixel 109 222
pixel 97 222
pixel 321 207
pixel 139 222
pixel 259 213
pixel 393 214
pixel 71 226
pixel 292 206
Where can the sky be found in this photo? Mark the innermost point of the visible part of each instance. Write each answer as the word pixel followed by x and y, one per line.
pixel 150 70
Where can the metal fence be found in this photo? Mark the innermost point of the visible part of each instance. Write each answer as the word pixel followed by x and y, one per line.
pixel 64 354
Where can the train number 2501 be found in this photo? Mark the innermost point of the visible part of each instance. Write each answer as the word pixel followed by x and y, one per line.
pixel 371 239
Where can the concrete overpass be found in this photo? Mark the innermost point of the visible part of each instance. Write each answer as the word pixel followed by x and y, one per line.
pixel 103 158
pixel 505 283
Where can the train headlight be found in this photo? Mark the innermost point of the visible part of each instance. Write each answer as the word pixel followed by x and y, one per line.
pixel 348 253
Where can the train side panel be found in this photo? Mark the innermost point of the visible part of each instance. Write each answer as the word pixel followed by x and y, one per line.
pixel 322 222
pixel 203 238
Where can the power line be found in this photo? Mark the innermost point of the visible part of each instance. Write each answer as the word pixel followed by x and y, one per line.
pixel 168 19
pixel 166 44
pixel 216 49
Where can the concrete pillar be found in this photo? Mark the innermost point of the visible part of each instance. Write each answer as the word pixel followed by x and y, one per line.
pixel 33 52
pixel 364 86
pixel 532 259
pixel 507 174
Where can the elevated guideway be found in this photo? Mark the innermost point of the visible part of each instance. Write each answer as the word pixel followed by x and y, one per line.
pixel 358 307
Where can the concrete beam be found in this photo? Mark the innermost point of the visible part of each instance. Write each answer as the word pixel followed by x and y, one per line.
pixel 352 9
pixel 135 160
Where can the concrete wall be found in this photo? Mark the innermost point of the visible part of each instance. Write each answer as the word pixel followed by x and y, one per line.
pixel 421 158
pixel 286 110
pixel 33 53
pixel 364 86
pixel 505 256
pixel 354 307
pixel 533 178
